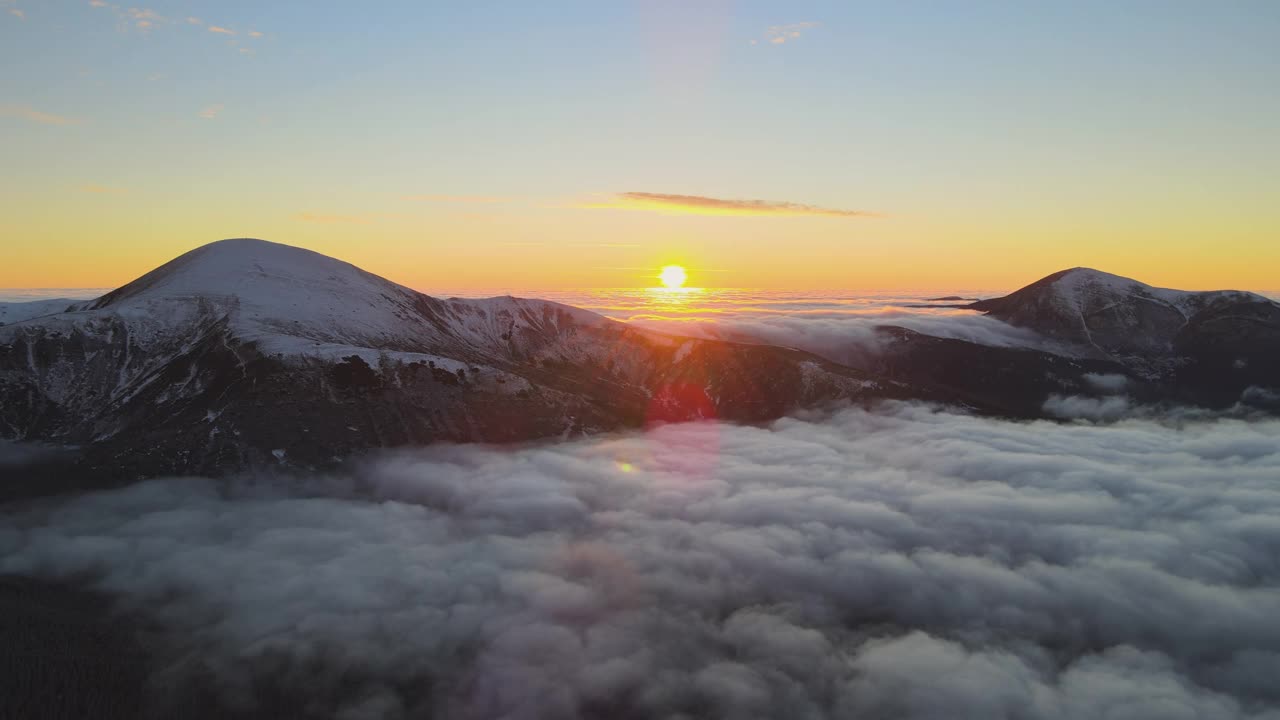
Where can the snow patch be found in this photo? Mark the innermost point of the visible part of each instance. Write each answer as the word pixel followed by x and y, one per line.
pixel 683 351
pixel 15 312
pixel 1082 289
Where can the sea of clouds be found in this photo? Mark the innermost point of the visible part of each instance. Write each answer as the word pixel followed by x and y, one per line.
pixel 905 563
pixel 838 326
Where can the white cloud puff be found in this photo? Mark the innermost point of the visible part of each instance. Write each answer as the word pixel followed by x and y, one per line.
pixel 905 563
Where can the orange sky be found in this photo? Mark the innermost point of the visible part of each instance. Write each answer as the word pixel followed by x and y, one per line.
pixel 100 240
pixel 816 145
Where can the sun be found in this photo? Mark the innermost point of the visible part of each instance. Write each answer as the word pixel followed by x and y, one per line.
pixel 673 277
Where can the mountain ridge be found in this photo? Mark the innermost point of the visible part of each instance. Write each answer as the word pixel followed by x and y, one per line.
pixel 1120 317
pixel 244 353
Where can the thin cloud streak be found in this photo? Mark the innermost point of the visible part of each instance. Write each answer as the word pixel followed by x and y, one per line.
pixel 669 204
pixel 102 189
pixel 143 19
pixel 782 34
pixel 26 112
pixel 146 19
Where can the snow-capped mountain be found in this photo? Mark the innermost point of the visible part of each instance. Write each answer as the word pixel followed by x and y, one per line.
pixel 245 351
pixel 248 353
pixel 1118 317
pixel 295 302
pixel 1209 348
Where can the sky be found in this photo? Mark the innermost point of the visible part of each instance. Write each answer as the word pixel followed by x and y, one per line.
pixel 504 145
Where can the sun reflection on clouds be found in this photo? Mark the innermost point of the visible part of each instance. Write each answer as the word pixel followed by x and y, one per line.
pixel 839 326
pixel 835 325
pixel 671 299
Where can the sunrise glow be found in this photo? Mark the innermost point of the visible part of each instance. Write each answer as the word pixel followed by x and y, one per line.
pixel 673 277
pixel 849 176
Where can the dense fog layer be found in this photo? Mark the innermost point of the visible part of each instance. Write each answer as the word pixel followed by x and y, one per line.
pixel 840 329
pixel 838 326
pixel 907 563
pixel 848 338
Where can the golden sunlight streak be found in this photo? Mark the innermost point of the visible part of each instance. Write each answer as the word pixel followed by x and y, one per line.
pixel 673 277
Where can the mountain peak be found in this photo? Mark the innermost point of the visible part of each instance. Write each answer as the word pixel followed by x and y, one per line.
pixel 1117 315
pixel 244 242
pixel 292 301
pixel 245 268
pixel 1101 280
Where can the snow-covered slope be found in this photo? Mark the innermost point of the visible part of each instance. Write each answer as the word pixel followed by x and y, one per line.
pixel 242 348
pixel 1117 316
pixel 12 312
pixel 290 300
pixel 1082 289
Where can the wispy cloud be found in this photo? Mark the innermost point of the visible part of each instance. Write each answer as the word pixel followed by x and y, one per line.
pixel 26 112
pixel 137 18
pixel 699 205
pixel 143 18
pixel 16 12
pixel 212 111
pixel 102 189
pixel 479 199
pixel 781 34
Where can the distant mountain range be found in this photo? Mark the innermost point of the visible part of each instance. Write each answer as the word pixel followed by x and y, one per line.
pixel 248 353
